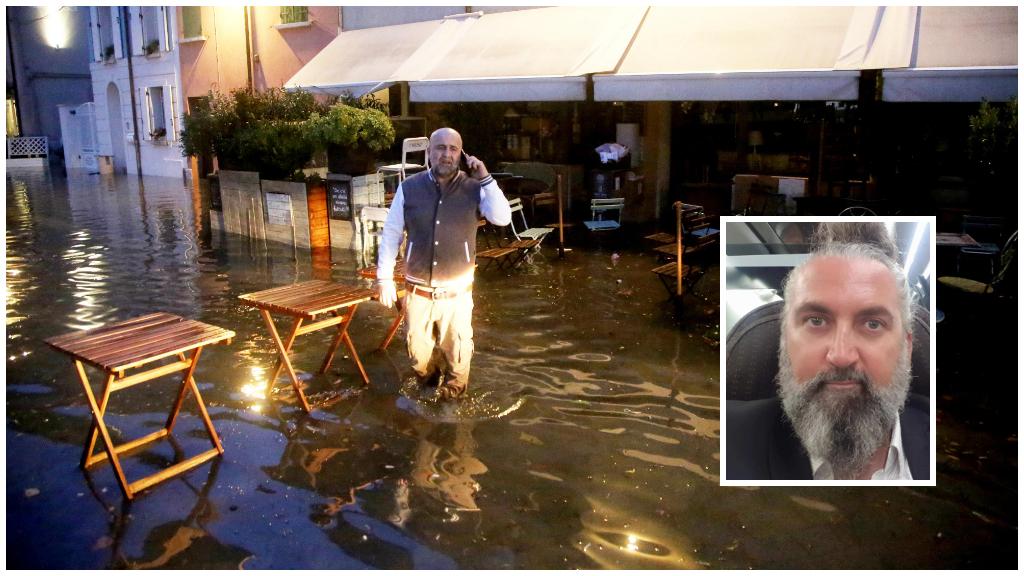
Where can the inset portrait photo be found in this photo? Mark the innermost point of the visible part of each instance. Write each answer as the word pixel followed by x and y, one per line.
pixel 828 372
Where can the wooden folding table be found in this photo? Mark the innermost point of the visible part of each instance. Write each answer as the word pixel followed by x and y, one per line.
pixel 117 348
pixel 304 302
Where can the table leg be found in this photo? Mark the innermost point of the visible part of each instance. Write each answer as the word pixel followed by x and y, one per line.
pixel 183 390
pixel 202 408
pixel 400 308
pixel 288 346
pixel 97 416
pixel 343 335
pixel 90 445
pixel 283 351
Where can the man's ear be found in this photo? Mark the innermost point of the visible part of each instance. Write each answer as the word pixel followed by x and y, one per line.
pixel 910 342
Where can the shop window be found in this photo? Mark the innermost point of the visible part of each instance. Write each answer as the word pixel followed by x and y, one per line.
pixel 192 21
pixel 294 14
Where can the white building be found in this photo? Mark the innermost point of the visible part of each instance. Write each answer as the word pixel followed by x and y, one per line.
pixel 154 124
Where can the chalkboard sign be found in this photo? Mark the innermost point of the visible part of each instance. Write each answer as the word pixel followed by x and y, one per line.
pixel 340 194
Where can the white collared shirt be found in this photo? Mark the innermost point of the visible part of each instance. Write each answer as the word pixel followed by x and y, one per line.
pixel 896 466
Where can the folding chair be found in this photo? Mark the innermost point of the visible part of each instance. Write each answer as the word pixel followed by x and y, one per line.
pixel 678 276
pixel 527 233
pixel 600 219
pixel 409 146
pixel 371 221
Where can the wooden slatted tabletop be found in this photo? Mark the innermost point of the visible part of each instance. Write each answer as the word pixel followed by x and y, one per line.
pixel 307 299
pixel 123 345
pixel 371 272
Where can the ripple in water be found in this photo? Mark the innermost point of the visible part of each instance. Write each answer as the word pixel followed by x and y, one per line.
pixel 478 403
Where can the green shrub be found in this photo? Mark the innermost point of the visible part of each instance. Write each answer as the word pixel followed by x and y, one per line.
pixel 277 132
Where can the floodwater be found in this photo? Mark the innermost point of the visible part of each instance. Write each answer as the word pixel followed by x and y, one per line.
pixel 589 438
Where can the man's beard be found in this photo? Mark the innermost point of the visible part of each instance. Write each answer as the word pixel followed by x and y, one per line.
pixel 444 171
pixel 843 428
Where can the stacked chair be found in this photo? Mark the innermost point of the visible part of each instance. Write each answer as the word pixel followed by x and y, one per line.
pixel 688 252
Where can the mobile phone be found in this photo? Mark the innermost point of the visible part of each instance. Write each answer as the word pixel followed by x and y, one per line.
pixel 464 162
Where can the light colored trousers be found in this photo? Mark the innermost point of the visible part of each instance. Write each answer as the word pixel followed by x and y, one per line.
pixel 440 335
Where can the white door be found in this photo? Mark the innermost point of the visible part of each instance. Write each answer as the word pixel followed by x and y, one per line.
pixel 117 133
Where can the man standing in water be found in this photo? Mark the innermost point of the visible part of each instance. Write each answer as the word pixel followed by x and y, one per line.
pixel 843 410
pixel 438 209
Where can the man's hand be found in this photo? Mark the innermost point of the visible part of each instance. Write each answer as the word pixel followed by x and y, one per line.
pixel 387 293
pixel 476 167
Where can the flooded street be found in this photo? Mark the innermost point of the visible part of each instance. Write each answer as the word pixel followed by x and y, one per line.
pixel 589 437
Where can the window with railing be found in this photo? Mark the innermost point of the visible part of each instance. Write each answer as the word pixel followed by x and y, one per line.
pixel 192 21
pixel 294 14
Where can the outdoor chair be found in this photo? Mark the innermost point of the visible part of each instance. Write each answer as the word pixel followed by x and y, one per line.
pixel 987 232
pixel 409 146
pixel 680 276
pixel 972 292
pixel 527 233
pixel 371 225
pixel 601 219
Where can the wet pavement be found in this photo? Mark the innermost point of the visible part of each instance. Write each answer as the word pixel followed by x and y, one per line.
pixel 589 438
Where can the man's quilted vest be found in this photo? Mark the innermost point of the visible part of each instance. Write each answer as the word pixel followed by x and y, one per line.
pixel 441 228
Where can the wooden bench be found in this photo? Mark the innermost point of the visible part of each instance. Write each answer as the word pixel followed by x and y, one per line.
pixel 306 301
pixel 117 348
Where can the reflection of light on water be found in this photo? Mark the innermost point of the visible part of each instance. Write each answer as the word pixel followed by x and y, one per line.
pixel 635 546
pixel 254 391
pixel 88 276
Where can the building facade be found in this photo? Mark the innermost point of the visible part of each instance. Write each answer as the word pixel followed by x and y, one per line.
pixel 179 54
pixel 47 52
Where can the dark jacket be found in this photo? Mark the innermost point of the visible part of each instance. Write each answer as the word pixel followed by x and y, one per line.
pixel 441 226
pixel 762 445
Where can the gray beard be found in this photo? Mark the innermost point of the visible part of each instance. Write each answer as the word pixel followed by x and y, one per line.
pixel 444 171
pixel 843 429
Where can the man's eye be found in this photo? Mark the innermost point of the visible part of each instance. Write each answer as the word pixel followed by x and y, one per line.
pixel 874 325
pixel 815 321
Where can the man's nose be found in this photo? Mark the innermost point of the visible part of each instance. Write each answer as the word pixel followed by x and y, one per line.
pixel 842 351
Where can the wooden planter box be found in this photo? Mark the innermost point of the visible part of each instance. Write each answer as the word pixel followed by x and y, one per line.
pixel 274 210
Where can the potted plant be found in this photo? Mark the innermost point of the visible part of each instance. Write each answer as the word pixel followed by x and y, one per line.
pixel 266 132
pixel 108 53
pixel 158 133
pixel 151 47
pixel 352 132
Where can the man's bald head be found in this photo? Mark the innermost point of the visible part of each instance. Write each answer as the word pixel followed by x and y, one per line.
pixel 445 150
pixel 445 133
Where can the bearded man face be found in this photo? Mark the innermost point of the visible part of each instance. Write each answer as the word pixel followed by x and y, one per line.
pixel 844 360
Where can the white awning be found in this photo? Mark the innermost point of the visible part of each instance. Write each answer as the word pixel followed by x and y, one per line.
pixel 961 54
pixel 361 61
pixel 737 53
pixel 540 54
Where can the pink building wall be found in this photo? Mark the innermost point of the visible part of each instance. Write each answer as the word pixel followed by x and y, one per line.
pixel 219 61
pixel 282 51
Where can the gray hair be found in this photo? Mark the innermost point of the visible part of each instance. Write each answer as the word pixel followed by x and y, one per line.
pixel 856 240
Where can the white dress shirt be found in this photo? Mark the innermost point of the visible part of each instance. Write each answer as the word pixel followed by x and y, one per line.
pixel 896 466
